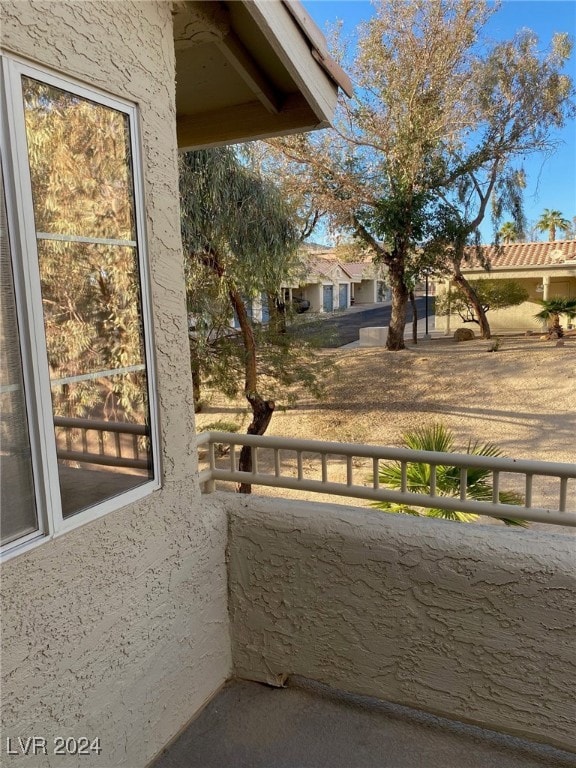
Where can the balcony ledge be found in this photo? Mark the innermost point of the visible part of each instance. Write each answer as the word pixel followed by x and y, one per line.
pixel 470 622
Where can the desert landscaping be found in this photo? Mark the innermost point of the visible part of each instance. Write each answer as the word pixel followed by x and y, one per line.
pixel 521 397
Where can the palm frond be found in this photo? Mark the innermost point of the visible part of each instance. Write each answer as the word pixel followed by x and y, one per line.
pixel 437 438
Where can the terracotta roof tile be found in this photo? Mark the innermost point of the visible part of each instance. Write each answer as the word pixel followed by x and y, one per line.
pixel 317 265
pixel 531 254
pixel 355 268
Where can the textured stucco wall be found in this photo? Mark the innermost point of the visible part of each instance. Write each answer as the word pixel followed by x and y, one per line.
pixel 119 629
pixel 521 317
pixel 476 624
pixel 365 292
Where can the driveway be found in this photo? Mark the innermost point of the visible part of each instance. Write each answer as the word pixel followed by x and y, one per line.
pixel 343 327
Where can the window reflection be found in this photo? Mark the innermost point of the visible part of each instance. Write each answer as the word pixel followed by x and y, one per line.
pixel 80 164
pixel 81 174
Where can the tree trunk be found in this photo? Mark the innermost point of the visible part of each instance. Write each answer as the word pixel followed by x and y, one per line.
pixel 395 340
pixel 414 317
pixel 195 368
pixel 470 294
pixel 262 410
pixel 395 262
pixel 556 329
pixel 277 312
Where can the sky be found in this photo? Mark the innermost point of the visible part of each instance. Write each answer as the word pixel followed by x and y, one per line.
pixel 551 180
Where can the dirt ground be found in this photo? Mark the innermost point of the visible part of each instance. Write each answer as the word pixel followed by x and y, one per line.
pixel 522 397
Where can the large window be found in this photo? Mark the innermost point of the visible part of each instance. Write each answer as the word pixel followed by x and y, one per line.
pixel 77 427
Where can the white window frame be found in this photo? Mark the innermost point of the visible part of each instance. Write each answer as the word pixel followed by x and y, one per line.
pixel 23 240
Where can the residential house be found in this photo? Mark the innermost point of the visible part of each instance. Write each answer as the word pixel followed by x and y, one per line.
pixel 369 284
pixel 122 614
pixel 326 285
pixel 329 284
pixel 545 269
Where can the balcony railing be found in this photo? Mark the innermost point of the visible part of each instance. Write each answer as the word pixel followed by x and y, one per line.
pixel 126 437
pixel 273 451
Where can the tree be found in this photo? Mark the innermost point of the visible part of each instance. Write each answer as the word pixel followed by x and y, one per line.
pixel 375 173
pixel 430 139
pixel 521 97
pixel 492 294
pixel 239 243
pixel 550 221
pixel 438 438
pixel 551 311
pixel 509 233
pixel 80 171
pixel 571 231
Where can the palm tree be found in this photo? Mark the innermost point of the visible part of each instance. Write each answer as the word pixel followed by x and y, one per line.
pixel 550 221
pixel 551 311
pixel 436 437
pixel 509 232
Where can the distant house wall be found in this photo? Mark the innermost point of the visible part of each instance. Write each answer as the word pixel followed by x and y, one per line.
pixel 366 292
pixel 312 292
pixel 119 629
pixel 520 318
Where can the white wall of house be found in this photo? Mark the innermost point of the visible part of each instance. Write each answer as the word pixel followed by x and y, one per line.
pixel 312 292
pixel 119 629
pixel 366 292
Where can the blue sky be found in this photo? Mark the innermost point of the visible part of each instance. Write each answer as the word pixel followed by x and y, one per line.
pixel 551 180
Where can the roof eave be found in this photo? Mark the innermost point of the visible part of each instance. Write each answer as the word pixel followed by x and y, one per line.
pixel 286 82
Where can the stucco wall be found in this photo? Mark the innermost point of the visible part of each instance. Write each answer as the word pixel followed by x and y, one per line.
pixel 521 317
pixel 365 292
pixel 119 629
pixel 476 624
pixel 314 295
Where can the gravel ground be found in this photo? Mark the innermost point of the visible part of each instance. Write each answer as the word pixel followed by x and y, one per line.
pixel 522 397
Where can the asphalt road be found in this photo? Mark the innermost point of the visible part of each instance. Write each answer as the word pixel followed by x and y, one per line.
pixel 344 327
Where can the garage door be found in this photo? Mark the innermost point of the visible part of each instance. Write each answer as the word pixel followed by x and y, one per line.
pixel 343 296
pixel 328 298
pixel 265 310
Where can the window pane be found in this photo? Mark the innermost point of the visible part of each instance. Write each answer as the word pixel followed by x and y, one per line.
pixel 17 506
pixel 80 166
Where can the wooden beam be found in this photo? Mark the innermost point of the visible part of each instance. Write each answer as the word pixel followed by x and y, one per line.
pixel 293 50
pixel 239 57
pixel 245 122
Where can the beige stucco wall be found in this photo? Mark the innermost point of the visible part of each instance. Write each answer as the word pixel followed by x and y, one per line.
pixel 520 318
pixel 119 629
pixel 366 292
pixel 313 292
pixel 475 624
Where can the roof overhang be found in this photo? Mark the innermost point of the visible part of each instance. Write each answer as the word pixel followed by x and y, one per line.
pixel 250 69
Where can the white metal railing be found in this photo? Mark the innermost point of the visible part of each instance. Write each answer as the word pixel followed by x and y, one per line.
pixel 562 513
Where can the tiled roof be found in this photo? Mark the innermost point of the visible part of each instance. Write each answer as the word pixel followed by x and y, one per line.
pixel 321 266
pixel 531 254
pixel 355 268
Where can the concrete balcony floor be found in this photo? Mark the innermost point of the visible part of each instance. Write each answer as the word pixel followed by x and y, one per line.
pixel 248 725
